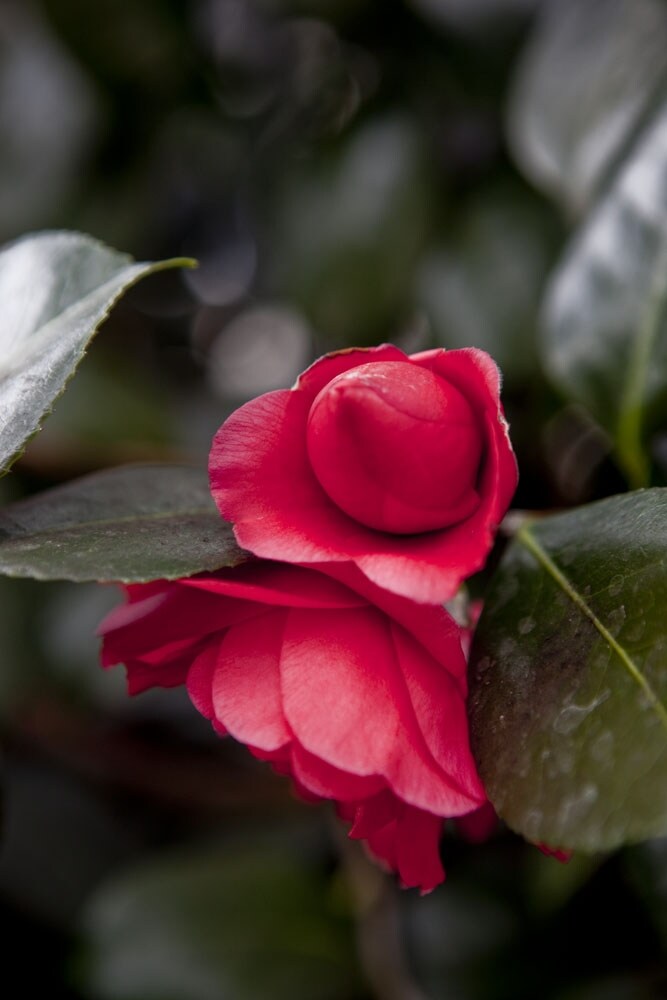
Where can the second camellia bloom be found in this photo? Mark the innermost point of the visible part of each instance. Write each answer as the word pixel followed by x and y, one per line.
pixel 399 464
pixel 357 694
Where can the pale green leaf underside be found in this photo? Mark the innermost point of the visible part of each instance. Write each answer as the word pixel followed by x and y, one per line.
pixel 56 288
pixel 131 524
pixel 569 676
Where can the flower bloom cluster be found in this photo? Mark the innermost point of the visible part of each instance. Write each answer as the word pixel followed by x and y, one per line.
pixel 366 494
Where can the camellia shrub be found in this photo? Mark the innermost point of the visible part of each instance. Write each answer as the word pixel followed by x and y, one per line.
pixel 304 593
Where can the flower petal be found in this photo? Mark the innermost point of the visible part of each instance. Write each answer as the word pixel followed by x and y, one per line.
pixel 199 681
pixel 478 825
pixel 347 703
pixel 408 842
pixel 477 376
pixel 374 813
pixel 431 567
pixel 143 676
pixel 440 710
pixel 262 481
pixel 330 782
pixel 177 614
pixel 418 849
pixel 246 682
pixel 277 584
pixel 430 624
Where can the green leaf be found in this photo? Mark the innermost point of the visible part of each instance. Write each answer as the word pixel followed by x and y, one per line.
pixel 131 524
pixel 243 923
pixel 605 322
pixel 56 289
pixel 569 676
pixel 586 79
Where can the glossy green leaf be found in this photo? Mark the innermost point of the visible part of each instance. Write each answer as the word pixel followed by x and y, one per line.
pixel 586 79
pixel 56 289
pixel 131 524
pixel 569 676
pixel 605 322
pixel 233 924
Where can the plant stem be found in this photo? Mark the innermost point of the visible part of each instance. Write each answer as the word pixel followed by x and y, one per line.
pixel 379 938
pixel 631 453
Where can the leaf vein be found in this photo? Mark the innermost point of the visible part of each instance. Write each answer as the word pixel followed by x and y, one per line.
pixel 529 541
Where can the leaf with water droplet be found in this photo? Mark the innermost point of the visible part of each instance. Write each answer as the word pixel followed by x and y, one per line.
pixel 582 695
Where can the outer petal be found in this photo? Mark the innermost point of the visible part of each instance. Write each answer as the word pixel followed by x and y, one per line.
pixel 430 624
pixel 404 838
pixel 132 635
pixel 329 782
pixel 346 700
pixel 142 676
pixel 479 825
pixel 440 711
pixel 262 481
pixel 374 813
pixel 417 849
pixel 246 683
pixel 199 680
pixel 431 567
pixel 278 585
pixel 477 376
pixel 176 615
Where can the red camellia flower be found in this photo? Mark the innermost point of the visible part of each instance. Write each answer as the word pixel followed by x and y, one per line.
pixel 357 694
pixel 399 464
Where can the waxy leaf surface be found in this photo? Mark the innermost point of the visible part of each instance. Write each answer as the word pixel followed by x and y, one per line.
pixel 569 676
pixel 130 524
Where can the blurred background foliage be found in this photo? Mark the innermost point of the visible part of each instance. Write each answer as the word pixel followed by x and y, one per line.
pixel 346 172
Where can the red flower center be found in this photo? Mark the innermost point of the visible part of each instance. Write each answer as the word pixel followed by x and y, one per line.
pixel 396 447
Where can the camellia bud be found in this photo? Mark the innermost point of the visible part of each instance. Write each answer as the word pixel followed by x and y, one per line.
pixel 396 447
